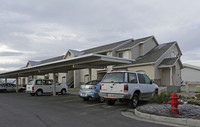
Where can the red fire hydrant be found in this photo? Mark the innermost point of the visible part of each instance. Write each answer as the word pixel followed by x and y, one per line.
pixel 174 103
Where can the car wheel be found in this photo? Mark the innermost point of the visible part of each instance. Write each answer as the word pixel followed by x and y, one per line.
pixel 134 101
pixel 101 99
pixel 63 91
pixel 39 92
pixel 85 99
pixel 110 102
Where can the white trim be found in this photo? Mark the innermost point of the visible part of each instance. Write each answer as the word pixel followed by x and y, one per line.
pixel 133 65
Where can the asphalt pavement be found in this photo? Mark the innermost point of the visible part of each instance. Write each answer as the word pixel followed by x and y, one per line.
pixel 23 110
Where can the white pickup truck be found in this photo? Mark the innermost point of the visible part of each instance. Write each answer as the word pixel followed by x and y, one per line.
pixel 42 86
pixel 127 86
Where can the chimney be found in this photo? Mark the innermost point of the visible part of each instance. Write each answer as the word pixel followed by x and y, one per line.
pixel 141 48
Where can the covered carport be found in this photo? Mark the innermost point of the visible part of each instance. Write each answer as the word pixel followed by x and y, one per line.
pixel 62 66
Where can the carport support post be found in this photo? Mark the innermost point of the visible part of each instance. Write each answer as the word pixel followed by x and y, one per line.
pixel 90 74
pixel 54 84
pixel 5 80
pixel 17 82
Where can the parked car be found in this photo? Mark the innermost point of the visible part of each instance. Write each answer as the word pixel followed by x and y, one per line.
pixel 127 86
pixel 91 90
pixel 44 86
pixel 9 87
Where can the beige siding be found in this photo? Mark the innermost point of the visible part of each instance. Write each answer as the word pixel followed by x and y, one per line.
pixel 148 69
pixel 60 77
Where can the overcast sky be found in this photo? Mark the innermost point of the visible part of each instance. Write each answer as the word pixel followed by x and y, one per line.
pixel 40 29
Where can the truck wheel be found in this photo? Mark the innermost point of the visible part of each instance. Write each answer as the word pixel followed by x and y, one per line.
pixel 134 101
pixel 101 99
pixel 39 92
pixel 63 91
pixel 110 102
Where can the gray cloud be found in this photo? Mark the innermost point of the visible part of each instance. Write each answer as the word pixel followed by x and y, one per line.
pixel 11 53
pixel 50 28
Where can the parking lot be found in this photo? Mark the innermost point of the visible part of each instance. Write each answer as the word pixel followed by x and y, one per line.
pixel 22 110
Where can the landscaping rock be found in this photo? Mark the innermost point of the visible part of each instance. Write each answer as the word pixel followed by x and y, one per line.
pixel 185 110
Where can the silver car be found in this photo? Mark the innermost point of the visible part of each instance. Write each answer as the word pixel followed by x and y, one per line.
pixel 91 90
pixel 9 87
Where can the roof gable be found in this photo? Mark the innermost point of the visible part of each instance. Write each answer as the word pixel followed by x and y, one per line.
pixel 32 63
pixel 135 42
pixel 52 59
pixel 154 54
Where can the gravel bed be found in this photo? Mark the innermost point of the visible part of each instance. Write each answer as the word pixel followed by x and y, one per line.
pixel 185 110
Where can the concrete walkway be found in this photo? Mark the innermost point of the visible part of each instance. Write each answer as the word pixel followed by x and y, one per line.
pixel 177 122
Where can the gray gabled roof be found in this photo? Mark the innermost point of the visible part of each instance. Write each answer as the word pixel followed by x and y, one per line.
pixel 76 53
pixel 52 59
pixel 117 45
pixel 134 42
pixel 105 47
pixel 168 62
pixel 154 54
pixel 191 66
pixel 33 63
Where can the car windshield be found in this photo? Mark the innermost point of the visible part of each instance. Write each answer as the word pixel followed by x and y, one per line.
pixel 30 82
pixel 114 77
pixel 94 82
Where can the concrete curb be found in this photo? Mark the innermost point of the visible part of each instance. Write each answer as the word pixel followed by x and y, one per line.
pixel 179 121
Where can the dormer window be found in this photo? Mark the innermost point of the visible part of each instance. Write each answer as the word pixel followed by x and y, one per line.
pixel 120 54
pixel 123 54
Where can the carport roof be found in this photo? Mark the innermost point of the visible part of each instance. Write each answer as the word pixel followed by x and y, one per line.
pixel 62 66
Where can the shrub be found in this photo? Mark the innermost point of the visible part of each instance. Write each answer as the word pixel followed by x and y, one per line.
pixel 163 98
pixel 197 96
pixel 194 102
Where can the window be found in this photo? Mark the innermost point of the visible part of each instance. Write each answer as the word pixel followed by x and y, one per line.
pixel 120 54
pixel 147 80
pixel 141 78
pixel 47 82
pixel 30 82
pixel 124 54
pixel 38 82
pixel 132 78
pixel 114 77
